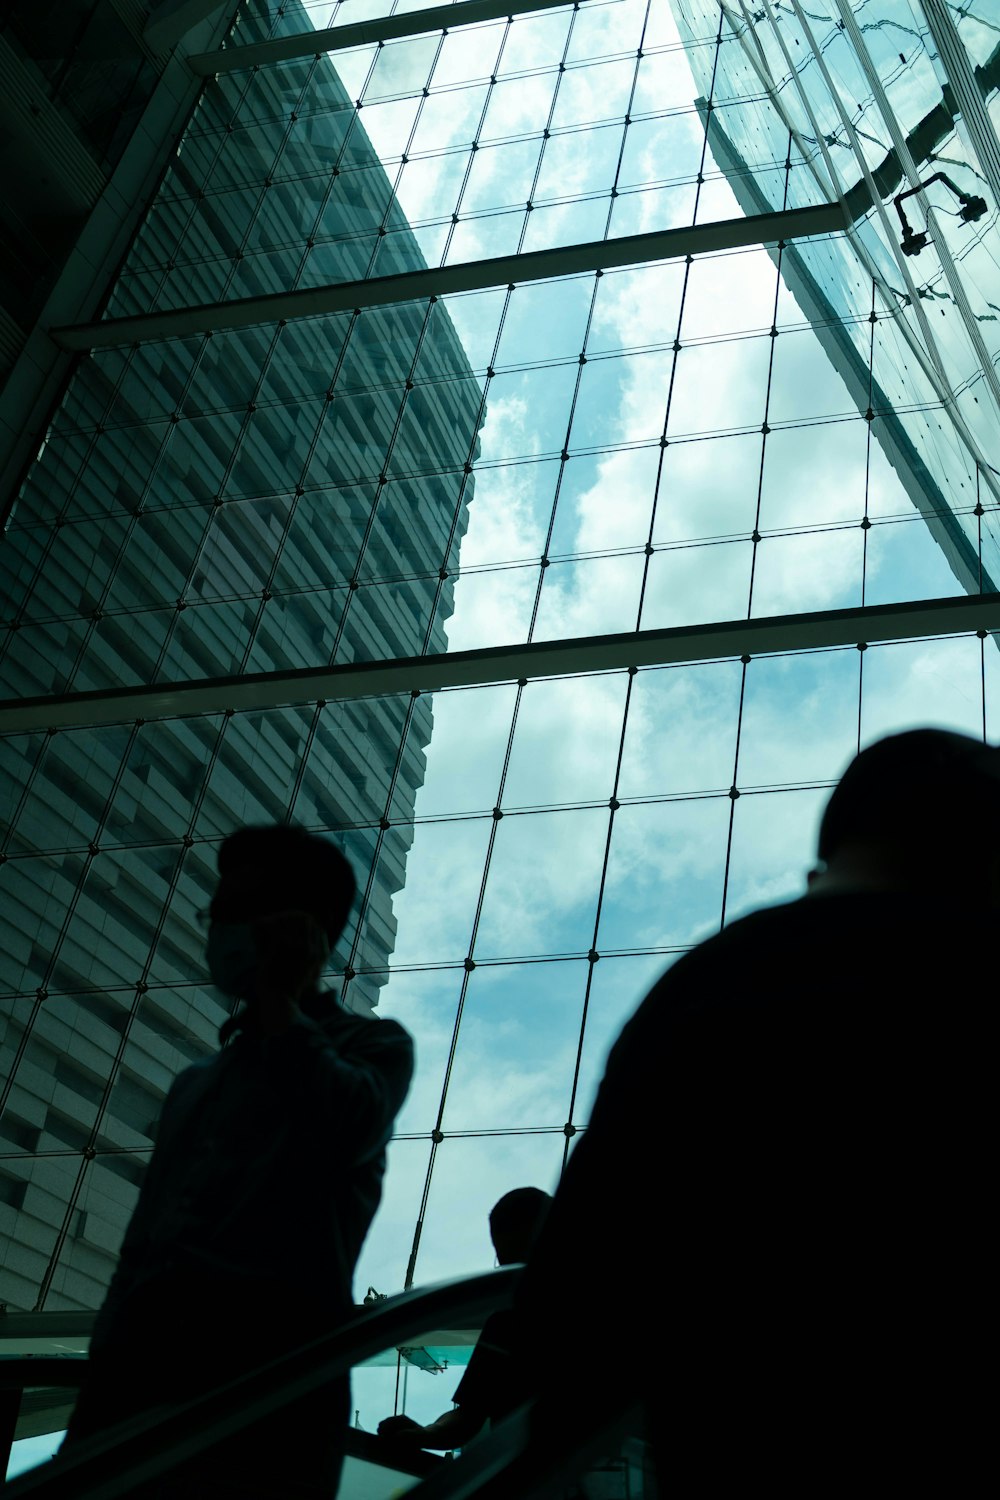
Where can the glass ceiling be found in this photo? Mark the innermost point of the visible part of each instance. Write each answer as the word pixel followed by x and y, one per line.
pixel 752 432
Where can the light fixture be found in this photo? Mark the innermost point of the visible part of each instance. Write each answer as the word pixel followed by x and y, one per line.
pixel 972 208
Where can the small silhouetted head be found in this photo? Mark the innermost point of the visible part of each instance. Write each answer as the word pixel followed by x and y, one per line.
pixel 923 803
pixel 283 898
pixel 515 1222
pixel 275 868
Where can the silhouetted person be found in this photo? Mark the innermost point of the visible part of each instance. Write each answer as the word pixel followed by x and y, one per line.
pixel 266 1174
pixel 491 1385
pixel 774 1231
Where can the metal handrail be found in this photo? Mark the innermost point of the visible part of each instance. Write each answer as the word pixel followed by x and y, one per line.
pixel 150 1446
pixel 536 1452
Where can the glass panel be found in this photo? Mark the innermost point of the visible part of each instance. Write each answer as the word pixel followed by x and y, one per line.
pixel 543 882
pixel 36 896
pixel 110 932
pixel 618 987
pixel 800 718
pixel 566 742
pixel 911 683
pixel 774 846
pixel 654 446
pixel 471 1175
pixel 516 1048
pixel 680 735
pixel 665 874
pixel 95 1228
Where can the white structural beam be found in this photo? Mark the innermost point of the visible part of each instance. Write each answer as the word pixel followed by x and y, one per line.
pixel 443 281
pixel 360 33
pixel 721 640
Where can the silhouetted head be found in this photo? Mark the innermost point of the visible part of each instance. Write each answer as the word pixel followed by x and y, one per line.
pixel 916 810
pixel 284 895
pixel 515 1223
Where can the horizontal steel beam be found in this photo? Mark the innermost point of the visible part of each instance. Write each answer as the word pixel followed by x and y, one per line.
pixel 492 664
pixel 360 33
pixel 443 281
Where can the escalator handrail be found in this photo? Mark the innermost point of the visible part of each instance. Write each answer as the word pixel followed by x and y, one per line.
pixel 535 1452
pixel 149 1446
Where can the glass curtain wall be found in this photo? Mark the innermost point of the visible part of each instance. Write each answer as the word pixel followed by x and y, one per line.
pixel 665 444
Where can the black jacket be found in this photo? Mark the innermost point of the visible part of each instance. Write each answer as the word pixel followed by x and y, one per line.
pixel 268 1168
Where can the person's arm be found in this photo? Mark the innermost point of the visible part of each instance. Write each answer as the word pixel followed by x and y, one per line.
pixel 452 1429
pixel 350 1074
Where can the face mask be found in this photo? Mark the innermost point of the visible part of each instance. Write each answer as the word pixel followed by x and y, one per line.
pixel 232 957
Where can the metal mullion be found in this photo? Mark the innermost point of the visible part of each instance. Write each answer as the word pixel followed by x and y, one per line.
pixel 306 751
pixel 734 791
pixel 54 526
pixel 333 175
pixel 90 1150
pixel 246 423
pixel 405 155
pixel 262 191
pixel 437 1135
pixel 479 1135
pixel 546 129
pixel 41 993
pixel 62 1152
pixel 865 519
pixel 545 560
pixel 755 537
pixel 639 54
pixel 300 487
pixel 395 27
pixel 133 519
pixel 26 792
pixel 263 187
pixel 189 217
pixel 594 955
pixel 979 513
pixel 354 583
pixel 586 334
pixel 88 1154
pixel 474 144
pixel 664 441
pixel 445 569
pixel 546 136
pixel 469 276
pixel 97 614
pixel 807 631
pixel 384 825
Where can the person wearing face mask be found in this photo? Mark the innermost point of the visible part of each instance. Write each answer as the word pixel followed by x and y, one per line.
pixel 265 1178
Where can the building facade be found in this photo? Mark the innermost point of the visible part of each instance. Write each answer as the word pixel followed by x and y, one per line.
pixel 201 509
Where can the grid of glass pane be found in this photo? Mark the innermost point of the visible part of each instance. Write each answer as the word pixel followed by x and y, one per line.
pixel 876 106
pixel 663 445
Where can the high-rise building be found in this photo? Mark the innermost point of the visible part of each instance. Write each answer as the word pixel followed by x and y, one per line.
pixel 220 505
pixel 671 280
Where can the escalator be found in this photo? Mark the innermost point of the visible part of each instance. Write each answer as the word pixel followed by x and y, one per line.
pixel 510 1461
